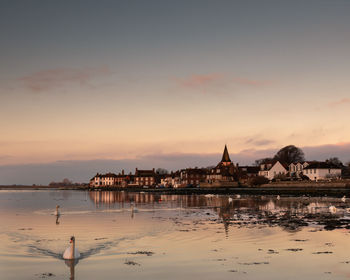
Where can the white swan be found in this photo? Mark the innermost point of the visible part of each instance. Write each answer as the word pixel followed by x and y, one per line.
pixel 71 252
pixel 343 199
pixel 332 209
pixel 57 212
pixel 134 209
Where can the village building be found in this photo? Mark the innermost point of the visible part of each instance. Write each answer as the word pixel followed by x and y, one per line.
pixel 96 180
pixel 102 180
pixel 109 179
pixel 171 180
pixel 123 179
pixel 164 179
pixel 296 169
pixel 193 176
pixel 225 171
pixel 247 172
pixel 145 177
pixel 272 169
pixel 322 171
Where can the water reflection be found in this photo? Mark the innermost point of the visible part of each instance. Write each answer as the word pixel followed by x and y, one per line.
pixel 71 264
pixel 225 203
pixel 291 213
pixel 58 219
pixel 173 236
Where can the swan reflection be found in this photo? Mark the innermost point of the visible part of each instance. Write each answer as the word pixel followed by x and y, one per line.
pixel 58 219
pixel 71 264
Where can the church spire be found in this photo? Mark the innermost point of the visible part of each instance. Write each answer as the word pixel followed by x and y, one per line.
pixel 225 156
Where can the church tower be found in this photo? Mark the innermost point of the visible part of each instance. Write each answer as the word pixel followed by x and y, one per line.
pixel 224 172
pixel 225 161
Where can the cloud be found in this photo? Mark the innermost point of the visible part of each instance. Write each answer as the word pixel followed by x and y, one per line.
pixel 59 77
pixel 249 82
pixel 196 81
pixel 205 82
pixel 5 157
pixel 321 153
pixel 339 102
pixel 83 170
pixel 340 150
pixel 259 142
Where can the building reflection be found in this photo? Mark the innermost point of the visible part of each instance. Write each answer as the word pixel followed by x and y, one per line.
pixel 262 203
pixel 241 211
pixel 224 206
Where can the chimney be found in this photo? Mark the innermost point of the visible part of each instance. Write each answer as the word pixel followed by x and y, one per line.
pixel 123 172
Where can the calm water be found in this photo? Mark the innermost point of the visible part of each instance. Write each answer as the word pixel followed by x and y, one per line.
pixel 170 237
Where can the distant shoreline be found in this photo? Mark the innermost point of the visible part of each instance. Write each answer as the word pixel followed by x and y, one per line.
pixel 290 189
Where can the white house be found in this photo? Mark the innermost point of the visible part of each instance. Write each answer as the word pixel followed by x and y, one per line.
pixel 171 180
pixel 271 169
pixel 109 179
pixel 100 180
pixel 96 181
pixel 296 169
pixel 321 171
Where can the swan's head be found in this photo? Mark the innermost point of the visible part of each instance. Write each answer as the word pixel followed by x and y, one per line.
pixel 72 239
pixel 57 206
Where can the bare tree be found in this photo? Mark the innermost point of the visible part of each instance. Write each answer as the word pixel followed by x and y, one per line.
pixel 335 161
pixel 262 161
pixel 290 154
pixel 162 171
pixel 67 182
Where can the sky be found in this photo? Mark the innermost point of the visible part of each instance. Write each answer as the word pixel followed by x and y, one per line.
pixel 98 86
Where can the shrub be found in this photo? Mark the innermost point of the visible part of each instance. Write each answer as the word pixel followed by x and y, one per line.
pixel 258 180
pixel 280 177
pixel 304 177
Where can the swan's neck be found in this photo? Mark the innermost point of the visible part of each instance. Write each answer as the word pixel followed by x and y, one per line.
pixel 72 249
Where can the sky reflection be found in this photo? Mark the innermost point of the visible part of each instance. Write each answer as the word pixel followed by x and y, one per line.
pixel 171 237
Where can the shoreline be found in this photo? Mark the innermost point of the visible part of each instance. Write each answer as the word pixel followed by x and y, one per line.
pixel 317 189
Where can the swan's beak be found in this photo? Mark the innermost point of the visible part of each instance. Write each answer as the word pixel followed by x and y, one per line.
pixel 70 241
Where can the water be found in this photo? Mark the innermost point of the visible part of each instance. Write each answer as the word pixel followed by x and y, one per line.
pixel 170 236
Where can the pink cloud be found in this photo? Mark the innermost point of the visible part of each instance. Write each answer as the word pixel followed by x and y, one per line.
pixel 196 81
pixel 205 81
pixel 340 102
pixel 249 82
pixel 59 77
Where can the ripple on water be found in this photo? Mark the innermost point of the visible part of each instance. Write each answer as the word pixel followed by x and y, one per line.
pixel 203 239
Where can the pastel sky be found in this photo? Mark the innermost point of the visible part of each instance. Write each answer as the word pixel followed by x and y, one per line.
pixel 128 80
